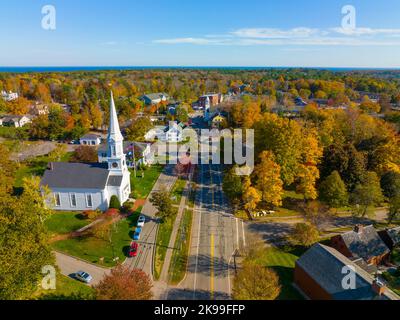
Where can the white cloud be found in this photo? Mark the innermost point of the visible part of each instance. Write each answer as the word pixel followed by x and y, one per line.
pixel 300 36
pixel 366 31
pixel 273 33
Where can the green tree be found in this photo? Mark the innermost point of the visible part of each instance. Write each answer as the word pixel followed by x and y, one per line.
pixel 394 208
pixel 333 191
pixel 115 203
pixel 304 234
pixel 255 282
pixel 162 201
pixel 390 183
pixel 367 194
pixel 232 186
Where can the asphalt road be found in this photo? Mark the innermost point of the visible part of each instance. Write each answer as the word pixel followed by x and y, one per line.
pixel 216 234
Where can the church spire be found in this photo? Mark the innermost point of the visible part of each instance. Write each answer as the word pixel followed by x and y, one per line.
pixel 114 132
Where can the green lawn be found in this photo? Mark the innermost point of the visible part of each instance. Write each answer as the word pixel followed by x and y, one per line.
pixel 35 167
pixel 177 269
pixel 65 222
pixel 93 249
pixel 66 289
pixel 177 190
pixel 162 241
pixel 283 263
pixel 141 187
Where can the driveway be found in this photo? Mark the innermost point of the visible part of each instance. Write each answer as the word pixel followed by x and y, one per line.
pixel 69 266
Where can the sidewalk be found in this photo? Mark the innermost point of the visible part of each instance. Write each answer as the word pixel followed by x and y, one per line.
pixel 177 223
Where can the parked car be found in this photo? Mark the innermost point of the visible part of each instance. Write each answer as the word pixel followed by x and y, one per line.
pixel 141 221
pixel 83 276
pixel 136 235
pixel 133 250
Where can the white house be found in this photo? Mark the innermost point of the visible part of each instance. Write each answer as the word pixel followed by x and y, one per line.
pixel 171 133
pixel 90 139
pixel 9 96
pixel 155 98
pixel 14 121
pixel 90 186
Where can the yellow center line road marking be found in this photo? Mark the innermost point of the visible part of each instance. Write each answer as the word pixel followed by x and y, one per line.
pixel 212 266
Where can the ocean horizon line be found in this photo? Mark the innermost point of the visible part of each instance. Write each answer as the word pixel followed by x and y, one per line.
pixel 28 69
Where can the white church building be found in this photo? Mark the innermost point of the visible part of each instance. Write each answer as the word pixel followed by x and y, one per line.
pixel 90 186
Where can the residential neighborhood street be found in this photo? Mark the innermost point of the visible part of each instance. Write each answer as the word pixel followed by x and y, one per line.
pixel 216 234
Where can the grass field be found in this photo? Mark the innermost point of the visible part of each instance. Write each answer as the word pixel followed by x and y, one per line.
pixel 65 222
pixel 66 289
pixel 177 190
pixel 93 249
pixel 283 263
pixel 35 167
pixel 177 269
pixel 162 241
pixel 141 187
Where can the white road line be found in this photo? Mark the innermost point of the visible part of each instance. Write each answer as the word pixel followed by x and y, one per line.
pixel 244 237
pixel 237 233
pixel 198 238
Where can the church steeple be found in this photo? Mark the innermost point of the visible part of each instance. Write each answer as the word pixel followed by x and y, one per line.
pixel 115 154
pixel 113 131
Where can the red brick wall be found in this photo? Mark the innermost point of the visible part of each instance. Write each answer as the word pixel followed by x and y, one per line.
pixel 338 243
pixel 307 284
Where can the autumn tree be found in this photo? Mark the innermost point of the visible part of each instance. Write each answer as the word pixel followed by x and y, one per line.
pixel 251 196
pixel 19 106
pixel 24 244
pixel 255 282
pixel 138 129
pixel 333 191
pixel 85 154
pixel 304 234
pixel 124 283
pixel 268 179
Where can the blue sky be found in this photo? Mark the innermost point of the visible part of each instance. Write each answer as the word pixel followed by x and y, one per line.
pixel 200 33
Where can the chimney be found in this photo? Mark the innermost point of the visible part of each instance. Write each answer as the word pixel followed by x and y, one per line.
pixel 358 228
pixel 378 287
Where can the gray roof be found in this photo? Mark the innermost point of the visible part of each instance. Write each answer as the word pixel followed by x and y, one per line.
pixel 76 175
pixel 324 264
pixel 127 145
pixel 365 244
pixel 394 235
pixel 155 96
pixel 114 181
pixel 91 136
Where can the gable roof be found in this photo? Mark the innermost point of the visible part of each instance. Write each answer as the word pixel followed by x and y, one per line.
pixel 90 136
pixel 155 96
pixel 366 243
pixel 76 175
pixel 324 265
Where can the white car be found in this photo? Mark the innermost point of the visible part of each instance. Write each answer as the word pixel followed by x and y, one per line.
pixel 83 276
pixel 141 221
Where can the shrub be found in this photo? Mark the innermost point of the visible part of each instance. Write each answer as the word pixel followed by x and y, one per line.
pixel 127 206
pixel 111 212
pixel 114 203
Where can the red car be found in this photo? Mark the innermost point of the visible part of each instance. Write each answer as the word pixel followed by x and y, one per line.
pixel 133 250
